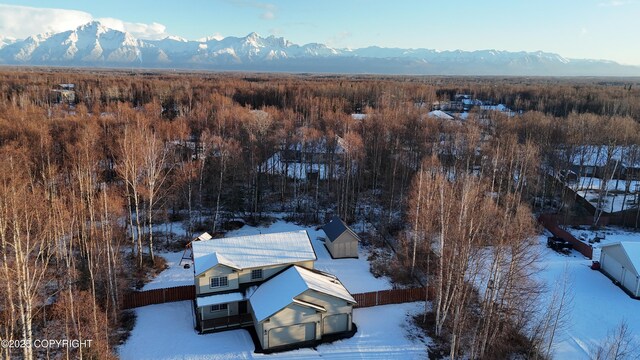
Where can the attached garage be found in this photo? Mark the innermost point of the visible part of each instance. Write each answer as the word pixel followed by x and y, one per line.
pixel 300 305
pixel 621 262
pixel 335 323
pixel 292 334
pixel 342 242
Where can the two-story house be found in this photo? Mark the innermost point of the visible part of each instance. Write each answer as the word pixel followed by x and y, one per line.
pixel 267 281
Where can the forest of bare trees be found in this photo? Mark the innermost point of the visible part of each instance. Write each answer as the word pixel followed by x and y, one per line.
pixel 84 185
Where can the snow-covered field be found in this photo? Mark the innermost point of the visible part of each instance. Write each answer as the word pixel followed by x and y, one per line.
pixel 353 273
pixel 598 305
pixel 589 187
pixel 166 331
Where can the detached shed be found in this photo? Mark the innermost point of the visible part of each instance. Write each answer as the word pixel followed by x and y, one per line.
pixel 621 262
pixel 342 242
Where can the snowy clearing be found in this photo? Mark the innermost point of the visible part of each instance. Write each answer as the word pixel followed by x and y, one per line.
pixel 615 201
pixel 598 305
pixel 297 169
pixel 166 331
pixel 606 235
pixel 353 273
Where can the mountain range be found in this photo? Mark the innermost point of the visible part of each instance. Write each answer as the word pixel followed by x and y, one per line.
pixel 95 45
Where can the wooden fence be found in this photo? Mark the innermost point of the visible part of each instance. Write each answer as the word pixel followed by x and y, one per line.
pixel 158 296
pixel 394 296
pixel 550 222
pixel 181 293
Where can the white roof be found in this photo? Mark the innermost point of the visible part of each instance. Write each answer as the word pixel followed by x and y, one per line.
pixel 244 252
pixel 207 261
pixel 440 115
pixel 632 248
pixel 204 236
pixel 280 291
pixel 219 299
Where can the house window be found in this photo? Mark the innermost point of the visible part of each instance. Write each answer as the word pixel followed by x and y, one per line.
pixel 256 274
pixel 219 281
pixel 219 307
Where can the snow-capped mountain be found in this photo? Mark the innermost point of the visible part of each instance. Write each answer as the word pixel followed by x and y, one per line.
pixel 94 44
pixel 5 40
pixel 90 43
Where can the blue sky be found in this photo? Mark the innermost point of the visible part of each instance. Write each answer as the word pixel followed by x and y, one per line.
pixel 598 29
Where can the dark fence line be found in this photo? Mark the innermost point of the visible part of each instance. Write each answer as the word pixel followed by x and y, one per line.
pixel 394 296
pixel 629 217
pixel 157 296
pixel 368 299
pixel 550 222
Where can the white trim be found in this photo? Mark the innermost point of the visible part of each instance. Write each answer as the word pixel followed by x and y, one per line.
pixel 205 301
pixel 309 305
pixel 226 280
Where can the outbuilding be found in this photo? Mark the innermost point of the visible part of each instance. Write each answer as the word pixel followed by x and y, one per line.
pixel 342 242
pixel 621 262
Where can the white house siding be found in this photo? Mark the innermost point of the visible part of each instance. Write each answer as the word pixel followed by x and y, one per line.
pixel 288 326
pixel 345 246
pixel 235 278
pixel 333 306
pixel 611 265
pixel 614 261
pixel 335 323
pixel 203 282
pixel 267 272
pixel 631 282
pixel 206 313
pixel 292 334
pixel 297 323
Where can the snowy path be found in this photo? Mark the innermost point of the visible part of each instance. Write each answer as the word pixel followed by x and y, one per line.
pixel 166 332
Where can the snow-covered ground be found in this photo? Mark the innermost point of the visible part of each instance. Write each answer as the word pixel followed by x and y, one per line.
pixel 166 331
pixel 297 170
pixel 353 273
pixel 606 235
pixel 589 188
pixel 174 275
pixel 598 305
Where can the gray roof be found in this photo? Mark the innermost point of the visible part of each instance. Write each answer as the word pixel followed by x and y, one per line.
pixel 335 228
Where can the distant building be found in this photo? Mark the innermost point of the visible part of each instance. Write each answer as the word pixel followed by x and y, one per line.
pixel 64 94
pixel 439 114
pixel 618 162
pixel 308 161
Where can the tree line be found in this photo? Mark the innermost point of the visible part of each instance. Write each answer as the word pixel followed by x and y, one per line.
pixel 86 184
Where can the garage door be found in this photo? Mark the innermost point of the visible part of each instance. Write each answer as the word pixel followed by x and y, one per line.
pixel 630 281
pixel 287 335
pixel 335 323
pixel 612 267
